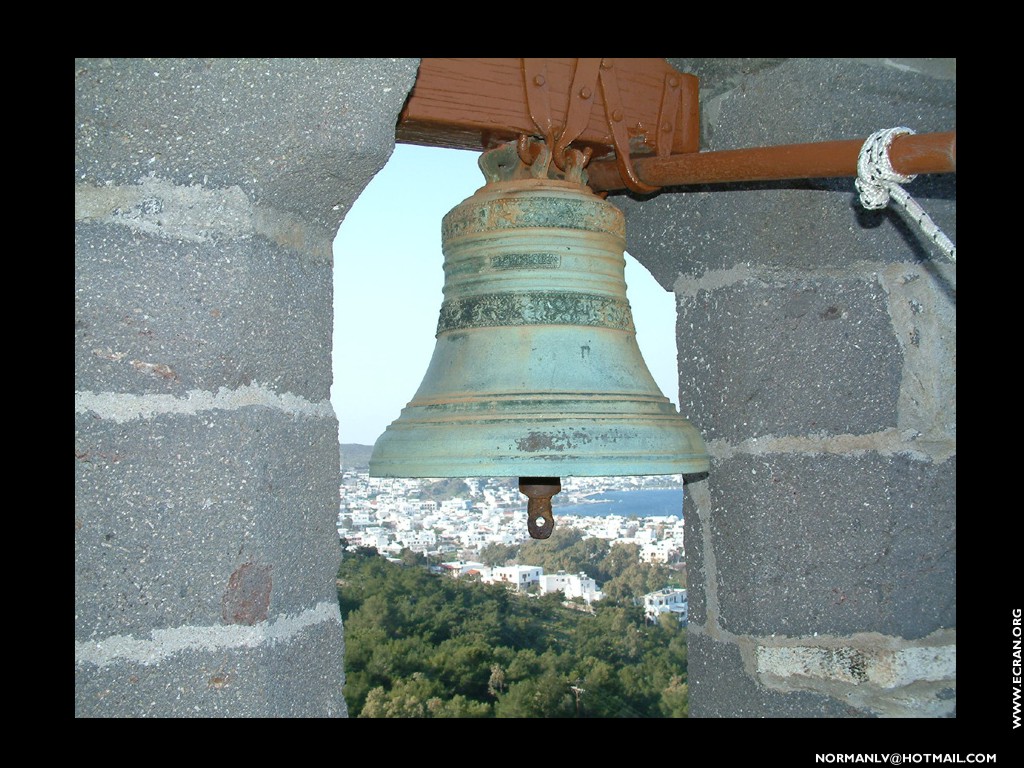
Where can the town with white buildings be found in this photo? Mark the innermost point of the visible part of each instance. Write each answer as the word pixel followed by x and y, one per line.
pixel 395 514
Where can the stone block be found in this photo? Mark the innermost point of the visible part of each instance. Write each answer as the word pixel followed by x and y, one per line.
pixel 720 686
pixel 283 679
pixel 298 135
pixel 169 316
pixel 812 356
pixel 219 518
pixel 835 545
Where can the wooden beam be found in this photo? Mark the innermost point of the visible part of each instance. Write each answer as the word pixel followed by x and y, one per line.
pixel 477 104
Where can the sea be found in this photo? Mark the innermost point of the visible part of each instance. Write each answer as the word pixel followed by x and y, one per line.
pixel 643 502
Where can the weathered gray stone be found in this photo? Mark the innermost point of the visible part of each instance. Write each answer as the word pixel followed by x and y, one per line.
pixel 298 135
pixel 834 545
pixel 218 518
pixel 721 686
pixel 269 680
pixel 153 316
pixel 207 194
pixel 718 76
pixel 816 355
pixel 694 543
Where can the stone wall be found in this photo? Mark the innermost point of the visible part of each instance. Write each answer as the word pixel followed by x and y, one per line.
pixel 817 354
pixel 817 351
pixel 207 196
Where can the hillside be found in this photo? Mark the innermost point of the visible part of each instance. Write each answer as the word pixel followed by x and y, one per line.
pixel 355 456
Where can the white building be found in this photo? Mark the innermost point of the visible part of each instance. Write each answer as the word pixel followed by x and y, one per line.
pixel 454 505
pixel 417 541
pixel 659 551
pixel 571 585
pixel 645 535
pixel 461 567
pixel 377 537
pixel 471 539
pixel 361 516
pixel 518 576
pixel 668 600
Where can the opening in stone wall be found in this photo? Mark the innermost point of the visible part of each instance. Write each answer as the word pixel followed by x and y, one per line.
pixel 611 577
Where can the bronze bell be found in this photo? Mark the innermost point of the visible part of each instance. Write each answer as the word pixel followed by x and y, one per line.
pixel 536 372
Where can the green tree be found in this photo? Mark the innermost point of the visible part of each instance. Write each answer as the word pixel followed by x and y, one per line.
pixel 496 682
pixel 619 558
pixel 669 622
pixel 463 666
pixel 546 696
pixel 458 706
pixel 444 488
pixel 675 699
pixel 567 550
pixel 603 694
pixel 496 554
pixel 408 557
pixel 636 580
pixel 425 645
pixel 407 698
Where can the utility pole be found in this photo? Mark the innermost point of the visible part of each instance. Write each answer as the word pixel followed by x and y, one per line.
pixel 578 691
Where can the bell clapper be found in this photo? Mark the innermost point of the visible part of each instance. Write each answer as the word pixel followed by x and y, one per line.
pixel 539 519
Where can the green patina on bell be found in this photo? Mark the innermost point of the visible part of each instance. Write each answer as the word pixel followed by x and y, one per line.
pixel 536 372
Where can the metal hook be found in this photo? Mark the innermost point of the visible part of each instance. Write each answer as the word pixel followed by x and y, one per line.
pixel 575 162
pixel 616 121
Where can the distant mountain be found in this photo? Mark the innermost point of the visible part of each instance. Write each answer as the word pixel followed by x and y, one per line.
pixel 355 456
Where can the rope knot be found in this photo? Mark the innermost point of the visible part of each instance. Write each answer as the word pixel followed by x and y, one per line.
pixel 875 174
pixel 877 182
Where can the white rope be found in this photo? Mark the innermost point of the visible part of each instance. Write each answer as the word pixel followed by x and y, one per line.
pixel 878 182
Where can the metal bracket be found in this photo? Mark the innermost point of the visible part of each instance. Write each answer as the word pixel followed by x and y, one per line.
pixel 671 101
pixel 540 521
pixel 582 94
pixel 590 74
pixel 538 97
pixel 581 101
pixel 617 122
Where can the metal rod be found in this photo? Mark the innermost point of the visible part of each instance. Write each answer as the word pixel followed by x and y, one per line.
pixel 910 154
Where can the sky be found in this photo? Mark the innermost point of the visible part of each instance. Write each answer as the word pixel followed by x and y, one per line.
pixel 388 277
